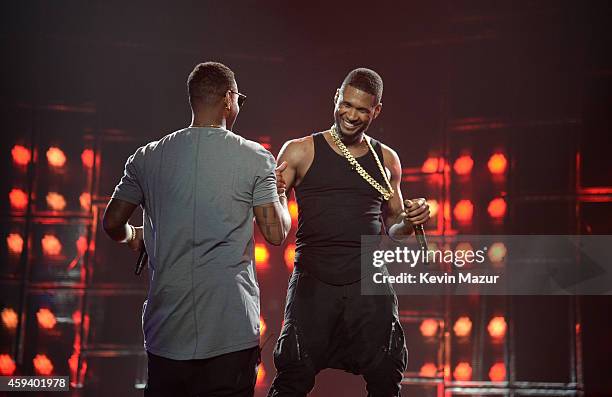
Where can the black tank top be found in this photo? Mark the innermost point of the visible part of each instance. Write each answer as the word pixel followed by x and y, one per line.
pixel 336 207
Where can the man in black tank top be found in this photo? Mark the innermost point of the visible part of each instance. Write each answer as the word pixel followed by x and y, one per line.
pixel 328 323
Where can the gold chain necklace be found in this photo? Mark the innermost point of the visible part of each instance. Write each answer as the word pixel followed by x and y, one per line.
pixel 388 192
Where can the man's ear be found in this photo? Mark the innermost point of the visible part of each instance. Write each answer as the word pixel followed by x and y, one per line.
pixel 228 100
pixel 377 110
pixel 336 96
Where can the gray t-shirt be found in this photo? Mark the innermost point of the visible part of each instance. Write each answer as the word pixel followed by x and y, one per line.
pixel 198 187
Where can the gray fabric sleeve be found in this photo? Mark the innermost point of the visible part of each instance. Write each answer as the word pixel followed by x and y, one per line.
pixel 129 188
pixel 264 190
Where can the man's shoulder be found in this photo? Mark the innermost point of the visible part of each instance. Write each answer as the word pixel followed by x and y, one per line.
pixel 298 147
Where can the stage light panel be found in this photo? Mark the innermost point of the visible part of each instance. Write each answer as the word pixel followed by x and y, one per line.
pixel 497 164
pixel 463 211
pixel 497 372
pixel 9 318
pixel 463 165
pixel 42 365
pixel 21 155
pixel 497 327
pixel 18 199
pixel 463 371
pixel 7 365
pixel 497 208
pixel 429 327
pixel 56 157
pixel 463 327
pixel 87 158
pixel 428 370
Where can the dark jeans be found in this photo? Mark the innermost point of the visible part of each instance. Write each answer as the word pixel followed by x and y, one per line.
pixel 232 374
pixel 328 326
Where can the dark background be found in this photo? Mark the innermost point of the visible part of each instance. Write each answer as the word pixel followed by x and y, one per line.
pixel 530 79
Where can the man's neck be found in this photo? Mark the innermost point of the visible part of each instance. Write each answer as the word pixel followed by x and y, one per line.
pixel 207 119
pixel 352 141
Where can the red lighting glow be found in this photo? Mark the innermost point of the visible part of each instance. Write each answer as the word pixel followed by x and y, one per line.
pixel 261 254
pixel 14 242
pixel 87 157
pixel 429 327
pixel 463 165
pixel 433 207
pixel 463 211
pixel 497 208
pixel 56 201
pixel 51 245
pixel 432 165
pixel 85 201
pixel 262 326
pixel 9 318
pixel 497 327
pixel 497 252
pixel 261 375
pixel 42 365
pixel 21 155
pixel 18 199
pixel 290 256
pixel 497 164
pixel 73 362
pixel 46 318
pixel 56 157
pixel 428 370
pixel 497 373
pixel 463 371
pixel 293 210
pixel 463 326
pixel 7 365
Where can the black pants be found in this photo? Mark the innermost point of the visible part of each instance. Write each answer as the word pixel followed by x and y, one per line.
pixel 329 326
pixel 232 374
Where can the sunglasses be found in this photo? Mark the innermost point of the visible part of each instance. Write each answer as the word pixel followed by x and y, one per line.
pixel 241 97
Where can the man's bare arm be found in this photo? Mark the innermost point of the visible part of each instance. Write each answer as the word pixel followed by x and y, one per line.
pixel 269 219
pixel 115 223
pixel 401 215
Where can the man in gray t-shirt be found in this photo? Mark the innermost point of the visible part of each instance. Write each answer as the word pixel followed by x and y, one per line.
pixel 200 188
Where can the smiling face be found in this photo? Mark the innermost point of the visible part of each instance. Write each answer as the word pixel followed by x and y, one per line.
pixel 353 112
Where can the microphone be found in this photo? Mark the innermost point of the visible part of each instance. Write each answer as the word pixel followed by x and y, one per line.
pixel 142 260
pixel 419 233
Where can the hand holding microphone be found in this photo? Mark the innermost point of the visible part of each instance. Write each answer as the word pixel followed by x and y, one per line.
pixel 416 212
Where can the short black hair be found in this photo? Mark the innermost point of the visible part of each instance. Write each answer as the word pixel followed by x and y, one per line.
pixel 366 80
pixel 209 81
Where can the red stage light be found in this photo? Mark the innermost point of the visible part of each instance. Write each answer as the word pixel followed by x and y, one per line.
pixel 463 326
pixel 463 165
pixel 18 199
pixel 7 365
pixel 497 252
pixel 81 245
pixel 497 164
pixel 433 207
pixel 46 318
pixel 463 211
pixel 428 370
pixel 56 157
pixel 261 375
pixel 87 157
pixel 429 327
pixel 290 256
pixel 463 371
pixel 261 254
pixel 262 326
pixel 56 201
pixel 21 155
pixel 432 165
pixel 73 362
pixel 85 201
pixel 14 241
pixel 497 207
pixel 42 365
pixel 51 245
pixel 9 318
pixel 497 373
pixel 497 327
pixel 293 210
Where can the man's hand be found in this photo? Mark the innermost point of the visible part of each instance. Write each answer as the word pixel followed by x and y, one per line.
pixel 416 211
pixel 138 242
pixel 281 185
